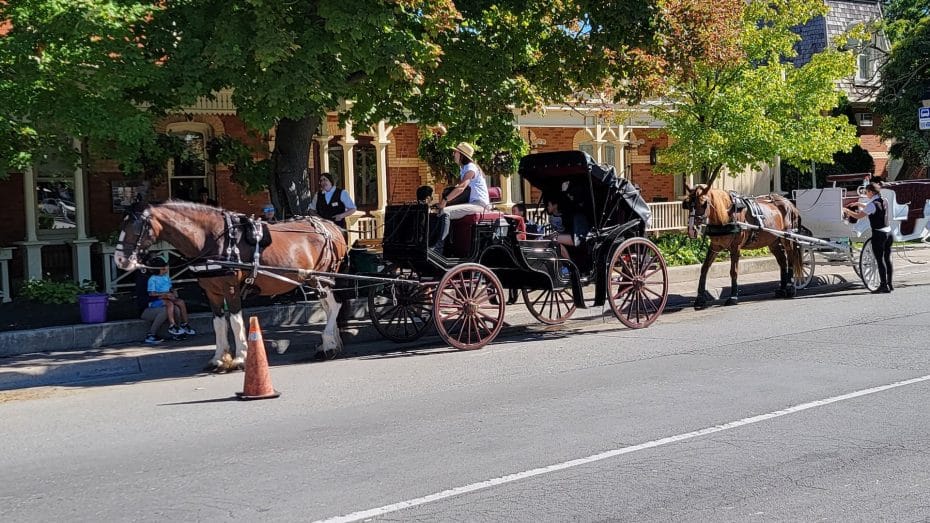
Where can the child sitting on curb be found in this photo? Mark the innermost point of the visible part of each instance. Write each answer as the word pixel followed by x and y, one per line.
pixel 160 289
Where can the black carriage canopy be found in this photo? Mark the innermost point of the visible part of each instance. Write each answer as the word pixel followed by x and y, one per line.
pixel 580 183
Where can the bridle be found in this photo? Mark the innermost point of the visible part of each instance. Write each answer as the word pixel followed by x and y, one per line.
pixel 144 220
pixel 697 215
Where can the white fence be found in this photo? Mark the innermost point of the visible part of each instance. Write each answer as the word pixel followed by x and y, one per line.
pixel 668 216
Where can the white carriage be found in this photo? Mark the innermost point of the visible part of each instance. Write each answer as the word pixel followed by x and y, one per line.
pixel 836 239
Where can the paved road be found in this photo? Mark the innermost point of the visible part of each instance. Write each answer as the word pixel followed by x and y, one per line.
pixel 774 410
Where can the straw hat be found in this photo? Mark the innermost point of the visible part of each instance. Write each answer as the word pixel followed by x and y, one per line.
pixel 465 149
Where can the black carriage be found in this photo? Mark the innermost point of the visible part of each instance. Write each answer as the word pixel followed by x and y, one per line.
pixel 461 290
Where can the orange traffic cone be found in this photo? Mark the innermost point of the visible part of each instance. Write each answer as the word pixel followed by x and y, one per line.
pixel 257 377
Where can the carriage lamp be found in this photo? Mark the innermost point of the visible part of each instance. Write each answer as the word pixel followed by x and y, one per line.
pixel 653 155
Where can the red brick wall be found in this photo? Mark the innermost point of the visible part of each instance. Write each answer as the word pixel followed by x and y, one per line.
pixel 652 185
pixel 406 140
pixel 557 138
pixel 402 184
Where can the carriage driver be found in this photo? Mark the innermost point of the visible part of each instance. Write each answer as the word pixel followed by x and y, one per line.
pixel 877 211
pixel 470 176
pixel 331 202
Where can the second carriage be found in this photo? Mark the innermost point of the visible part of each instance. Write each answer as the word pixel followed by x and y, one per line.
pixel 461 290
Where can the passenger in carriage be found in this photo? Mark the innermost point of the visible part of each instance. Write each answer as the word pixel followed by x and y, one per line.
pixel 877 211
pixel 471 177
pixel 331 202
pixel 568 231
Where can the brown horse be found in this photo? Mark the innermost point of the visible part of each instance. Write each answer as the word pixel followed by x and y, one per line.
pixel 715 209
pixel 203 233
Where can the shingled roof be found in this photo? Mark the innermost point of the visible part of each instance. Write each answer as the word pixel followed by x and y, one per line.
pixel 820 32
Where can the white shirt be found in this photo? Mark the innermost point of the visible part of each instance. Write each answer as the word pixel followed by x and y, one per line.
pixel 479 188
pixel 328 196
pixel 870 208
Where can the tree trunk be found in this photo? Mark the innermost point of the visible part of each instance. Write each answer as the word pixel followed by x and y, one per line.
pixel 290 185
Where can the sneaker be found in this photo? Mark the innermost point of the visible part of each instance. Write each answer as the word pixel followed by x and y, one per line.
pixel 186 327
pixel 152 339
pixel 174 330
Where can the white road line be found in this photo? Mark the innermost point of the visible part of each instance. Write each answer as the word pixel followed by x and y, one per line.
pixel 458 491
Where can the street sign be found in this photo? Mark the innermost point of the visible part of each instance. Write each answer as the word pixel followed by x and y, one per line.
pixel 923 116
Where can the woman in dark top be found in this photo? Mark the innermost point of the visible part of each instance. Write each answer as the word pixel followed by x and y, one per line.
pixel 332 202
pixel 877 211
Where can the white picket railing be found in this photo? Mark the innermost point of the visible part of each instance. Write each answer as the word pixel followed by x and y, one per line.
pixel 668 216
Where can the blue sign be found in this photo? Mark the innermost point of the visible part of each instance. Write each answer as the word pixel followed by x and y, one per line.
pixel 923 112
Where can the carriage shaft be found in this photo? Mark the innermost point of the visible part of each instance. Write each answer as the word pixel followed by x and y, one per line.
pixel 304 273
pixel 808 241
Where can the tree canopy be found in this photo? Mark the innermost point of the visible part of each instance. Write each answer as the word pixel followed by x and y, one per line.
pixel 107 70
pixel 735 97
pixel 905 81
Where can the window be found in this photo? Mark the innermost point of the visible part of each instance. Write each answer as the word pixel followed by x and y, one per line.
pixel 864 67
pixel 336 167
pixel 56 211
pixel 188 170
pixel 365 176
pixel 864 119
pixel 610 152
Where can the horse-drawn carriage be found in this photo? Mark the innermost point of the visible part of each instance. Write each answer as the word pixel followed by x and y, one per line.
pixel 822 218
pixel 461 290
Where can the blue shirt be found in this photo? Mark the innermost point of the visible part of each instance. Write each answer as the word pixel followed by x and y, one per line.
pixel 159 283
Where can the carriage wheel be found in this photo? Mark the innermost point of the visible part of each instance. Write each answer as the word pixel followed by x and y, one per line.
pixel 550 306
pixel 637 283
pixel 401 312
pixel 868 266
pixel 469 306
pixel 801 281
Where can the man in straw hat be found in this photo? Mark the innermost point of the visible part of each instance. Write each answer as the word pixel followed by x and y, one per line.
pixel 470 176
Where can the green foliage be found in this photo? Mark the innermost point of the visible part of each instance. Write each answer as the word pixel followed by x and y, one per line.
pixel 55 292
pixel 906 79
pixel 253 175
pixel 435 149
pixel 679 249
pixel 742 112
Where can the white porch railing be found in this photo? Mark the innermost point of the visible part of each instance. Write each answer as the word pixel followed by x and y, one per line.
pixel 116 279
pixel 668 216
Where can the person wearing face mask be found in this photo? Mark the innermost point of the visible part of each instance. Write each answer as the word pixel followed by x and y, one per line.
pixel 331 202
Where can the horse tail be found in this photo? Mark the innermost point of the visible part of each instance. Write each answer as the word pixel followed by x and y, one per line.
pixel 793 250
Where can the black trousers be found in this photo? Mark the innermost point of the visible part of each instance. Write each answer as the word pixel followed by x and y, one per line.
pixel 881 246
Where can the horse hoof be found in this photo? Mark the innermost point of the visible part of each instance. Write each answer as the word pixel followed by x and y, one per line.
pixel 699 306
pixel 731 301
pixel 791 293
pixel 214 368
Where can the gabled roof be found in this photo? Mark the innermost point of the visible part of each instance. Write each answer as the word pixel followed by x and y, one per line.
pixel 820 32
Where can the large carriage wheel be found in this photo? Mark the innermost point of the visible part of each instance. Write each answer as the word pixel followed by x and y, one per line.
pixel 550 306
pixel 469 306
pixel 868 267
pixel 808 263
pixel 637 283
pixel 401 312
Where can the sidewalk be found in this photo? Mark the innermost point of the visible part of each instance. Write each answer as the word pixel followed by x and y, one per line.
pixel 75 354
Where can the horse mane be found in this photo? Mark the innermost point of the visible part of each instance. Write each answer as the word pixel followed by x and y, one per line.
pixel 192 206
pixel 719 202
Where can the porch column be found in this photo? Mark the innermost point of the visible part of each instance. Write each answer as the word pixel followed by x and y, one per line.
pixel 80 247
pixel 381 132
pixel 5 255
pixel 348 171
pixel 32 247
pixel 323 142
pixel 776 175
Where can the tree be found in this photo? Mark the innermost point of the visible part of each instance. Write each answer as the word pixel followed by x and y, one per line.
pixel 468 64
pixel 734 97
pixel 905 81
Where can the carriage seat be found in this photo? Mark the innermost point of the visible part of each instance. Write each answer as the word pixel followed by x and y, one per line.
pixel 462 229
pixel 915 195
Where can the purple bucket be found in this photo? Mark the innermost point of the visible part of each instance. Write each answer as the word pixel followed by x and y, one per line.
pixel 93 307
